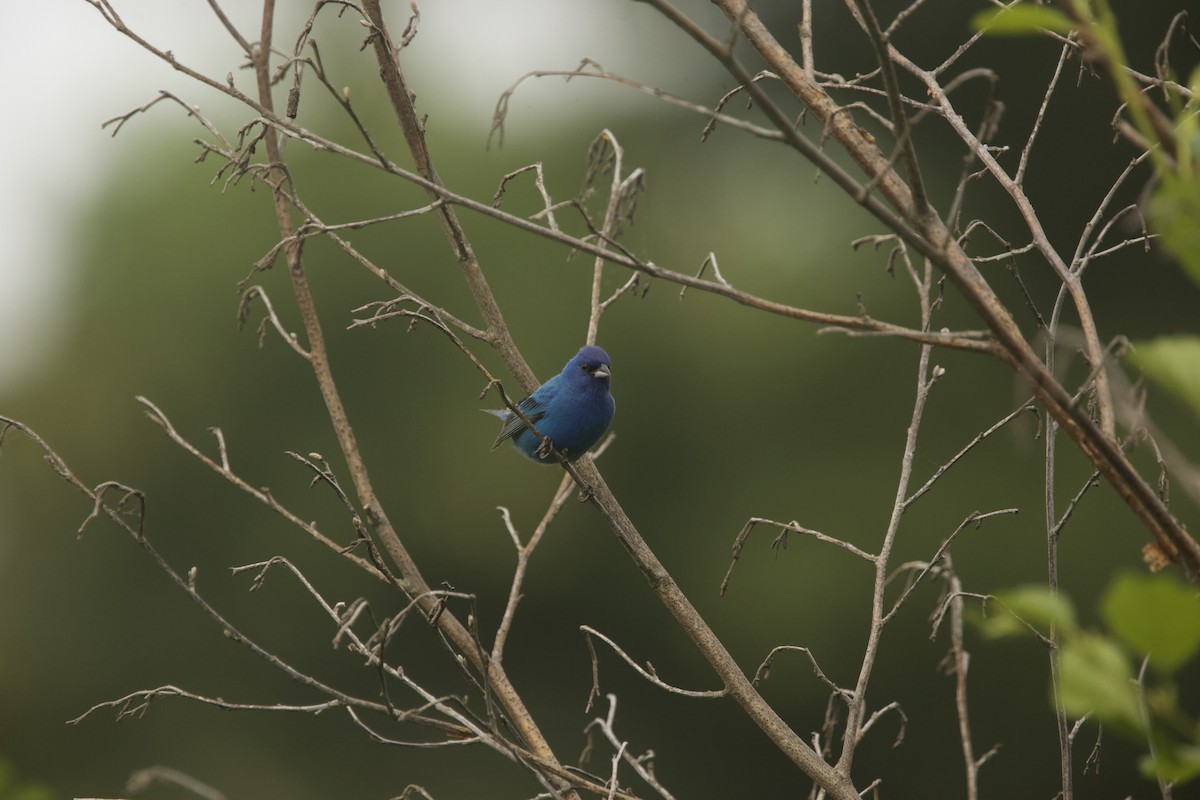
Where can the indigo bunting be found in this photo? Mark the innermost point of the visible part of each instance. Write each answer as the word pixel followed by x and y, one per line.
pixel 572 410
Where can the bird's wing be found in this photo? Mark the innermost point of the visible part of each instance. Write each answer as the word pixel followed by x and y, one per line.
pixel 533 407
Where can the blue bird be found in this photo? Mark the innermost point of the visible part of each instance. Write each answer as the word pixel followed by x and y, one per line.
pixel 572 410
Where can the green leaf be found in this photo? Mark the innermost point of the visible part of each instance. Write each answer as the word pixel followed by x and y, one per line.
pixel 1156 616
pixel 1176 764
pixel 1173 362
pixel 1021 20
pixel 1175 217
pixel 1096 678
pixel 1039 607
pixel 1186 127
pixel 999 625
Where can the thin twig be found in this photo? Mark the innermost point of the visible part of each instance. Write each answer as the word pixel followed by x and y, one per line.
pixel 649 673
pixel 739 542
pixel 643 765
pixel 524 552
pixel 979 437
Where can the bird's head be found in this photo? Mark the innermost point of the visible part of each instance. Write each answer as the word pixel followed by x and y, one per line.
pixel 589 364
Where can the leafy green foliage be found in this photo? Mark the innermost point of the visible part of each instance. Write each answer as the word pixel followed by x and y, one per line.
pixel 1157 617
pixel 1172 362
pixel 1174 212
pixel 1029 608
pixel 1097 678
pixel 1176 765
pixel 1022 19
pixel 1152 619
pixel 1174 208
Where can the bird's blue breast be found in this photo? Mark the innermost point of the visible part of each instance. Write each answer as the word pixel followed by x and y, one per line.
pixel 574 421
pixel 572 410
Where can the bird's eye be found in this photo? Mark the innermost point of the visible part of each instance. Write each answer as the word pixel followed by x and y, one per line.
pixel 589 368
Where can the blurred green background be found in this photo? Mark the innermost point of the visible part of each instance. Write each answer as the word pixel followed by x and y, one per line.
pixel 723 414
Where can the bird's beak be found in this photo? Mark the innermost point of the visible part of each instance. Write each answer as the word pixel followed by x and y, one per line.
pixel 602 372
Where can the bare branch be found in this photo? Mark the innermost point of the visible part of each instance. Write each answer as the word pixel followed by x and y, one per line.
pixel 643 765
pixel 764 669
pixel 244 311
pixel 264 496
pixel 979 437
pixel 143 779
pixel 648 672
pixel 1019 177
pixel 781 542
pixel 524 552
pixel 974 518
pixel 590 69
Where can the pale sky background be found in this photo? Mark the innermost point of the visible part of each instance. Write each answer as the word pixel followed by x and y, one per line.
pixel 64 70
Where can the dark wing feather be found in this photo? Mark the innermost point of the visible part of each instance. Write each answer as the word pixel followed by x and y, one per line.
pixel 533 407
